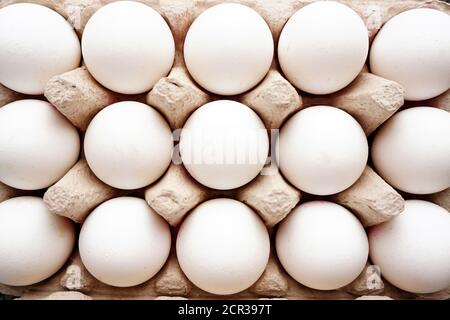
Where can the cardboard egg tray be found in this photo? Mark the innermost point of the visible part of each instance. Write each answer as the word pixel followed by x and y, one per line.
pixel 369 98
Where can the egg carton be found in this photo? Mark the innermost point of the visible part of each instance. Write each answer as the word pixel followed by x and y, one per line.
pixel 369 98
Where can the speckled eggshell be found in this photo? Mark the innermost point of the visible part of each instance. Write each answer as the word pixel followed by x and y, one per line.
pixel 36 43
pixel 223 246
pixel 123 242
pixel 413 49
pixel 38 145
pixel 34 243
pixel 323 47
pixel 413 248
pixel 322 245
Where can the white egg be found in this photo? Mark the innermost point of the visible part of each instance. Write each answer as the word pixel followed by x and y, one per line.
pixel 323 47
pixel 411 151
pixel 38 145
pixel 223 246
pixel 228 49
pixel 128 145
pixel 34 243
pixel 36 43
pixel 322 245
pixel 413 49
pixel 123 242
pixel 224 144
pixel 322 150
pixel 128 47
pixel 413 249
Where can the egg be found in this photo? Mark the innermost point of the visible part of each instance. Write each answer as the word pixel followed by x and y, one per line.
pixel 411 151
pixel 413 248
pixel 322 245
pixel 322 150
pixel 36 43
pixel 224 144
pixel 223 246
pixel 228 49
pixel 128 145
pixel 38 145
pixel 34 243
pixel 123 242
pixel 413 49
pixel 323 47
pixel 127 47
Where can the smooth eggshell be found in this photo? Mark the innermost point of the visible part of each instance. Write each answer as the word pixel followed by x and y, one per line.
pixel 224 144
pixel 34 243
pixel 322 150
pixel 38 145
pixel 411 151
pixel 128 145
pixel 322 245
pixel 413 49
pixel 323 47
pixel 228 49
pixel 223 246
pixel 123 242
pixel 128 47
pixel 413 249
pixel 36 43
